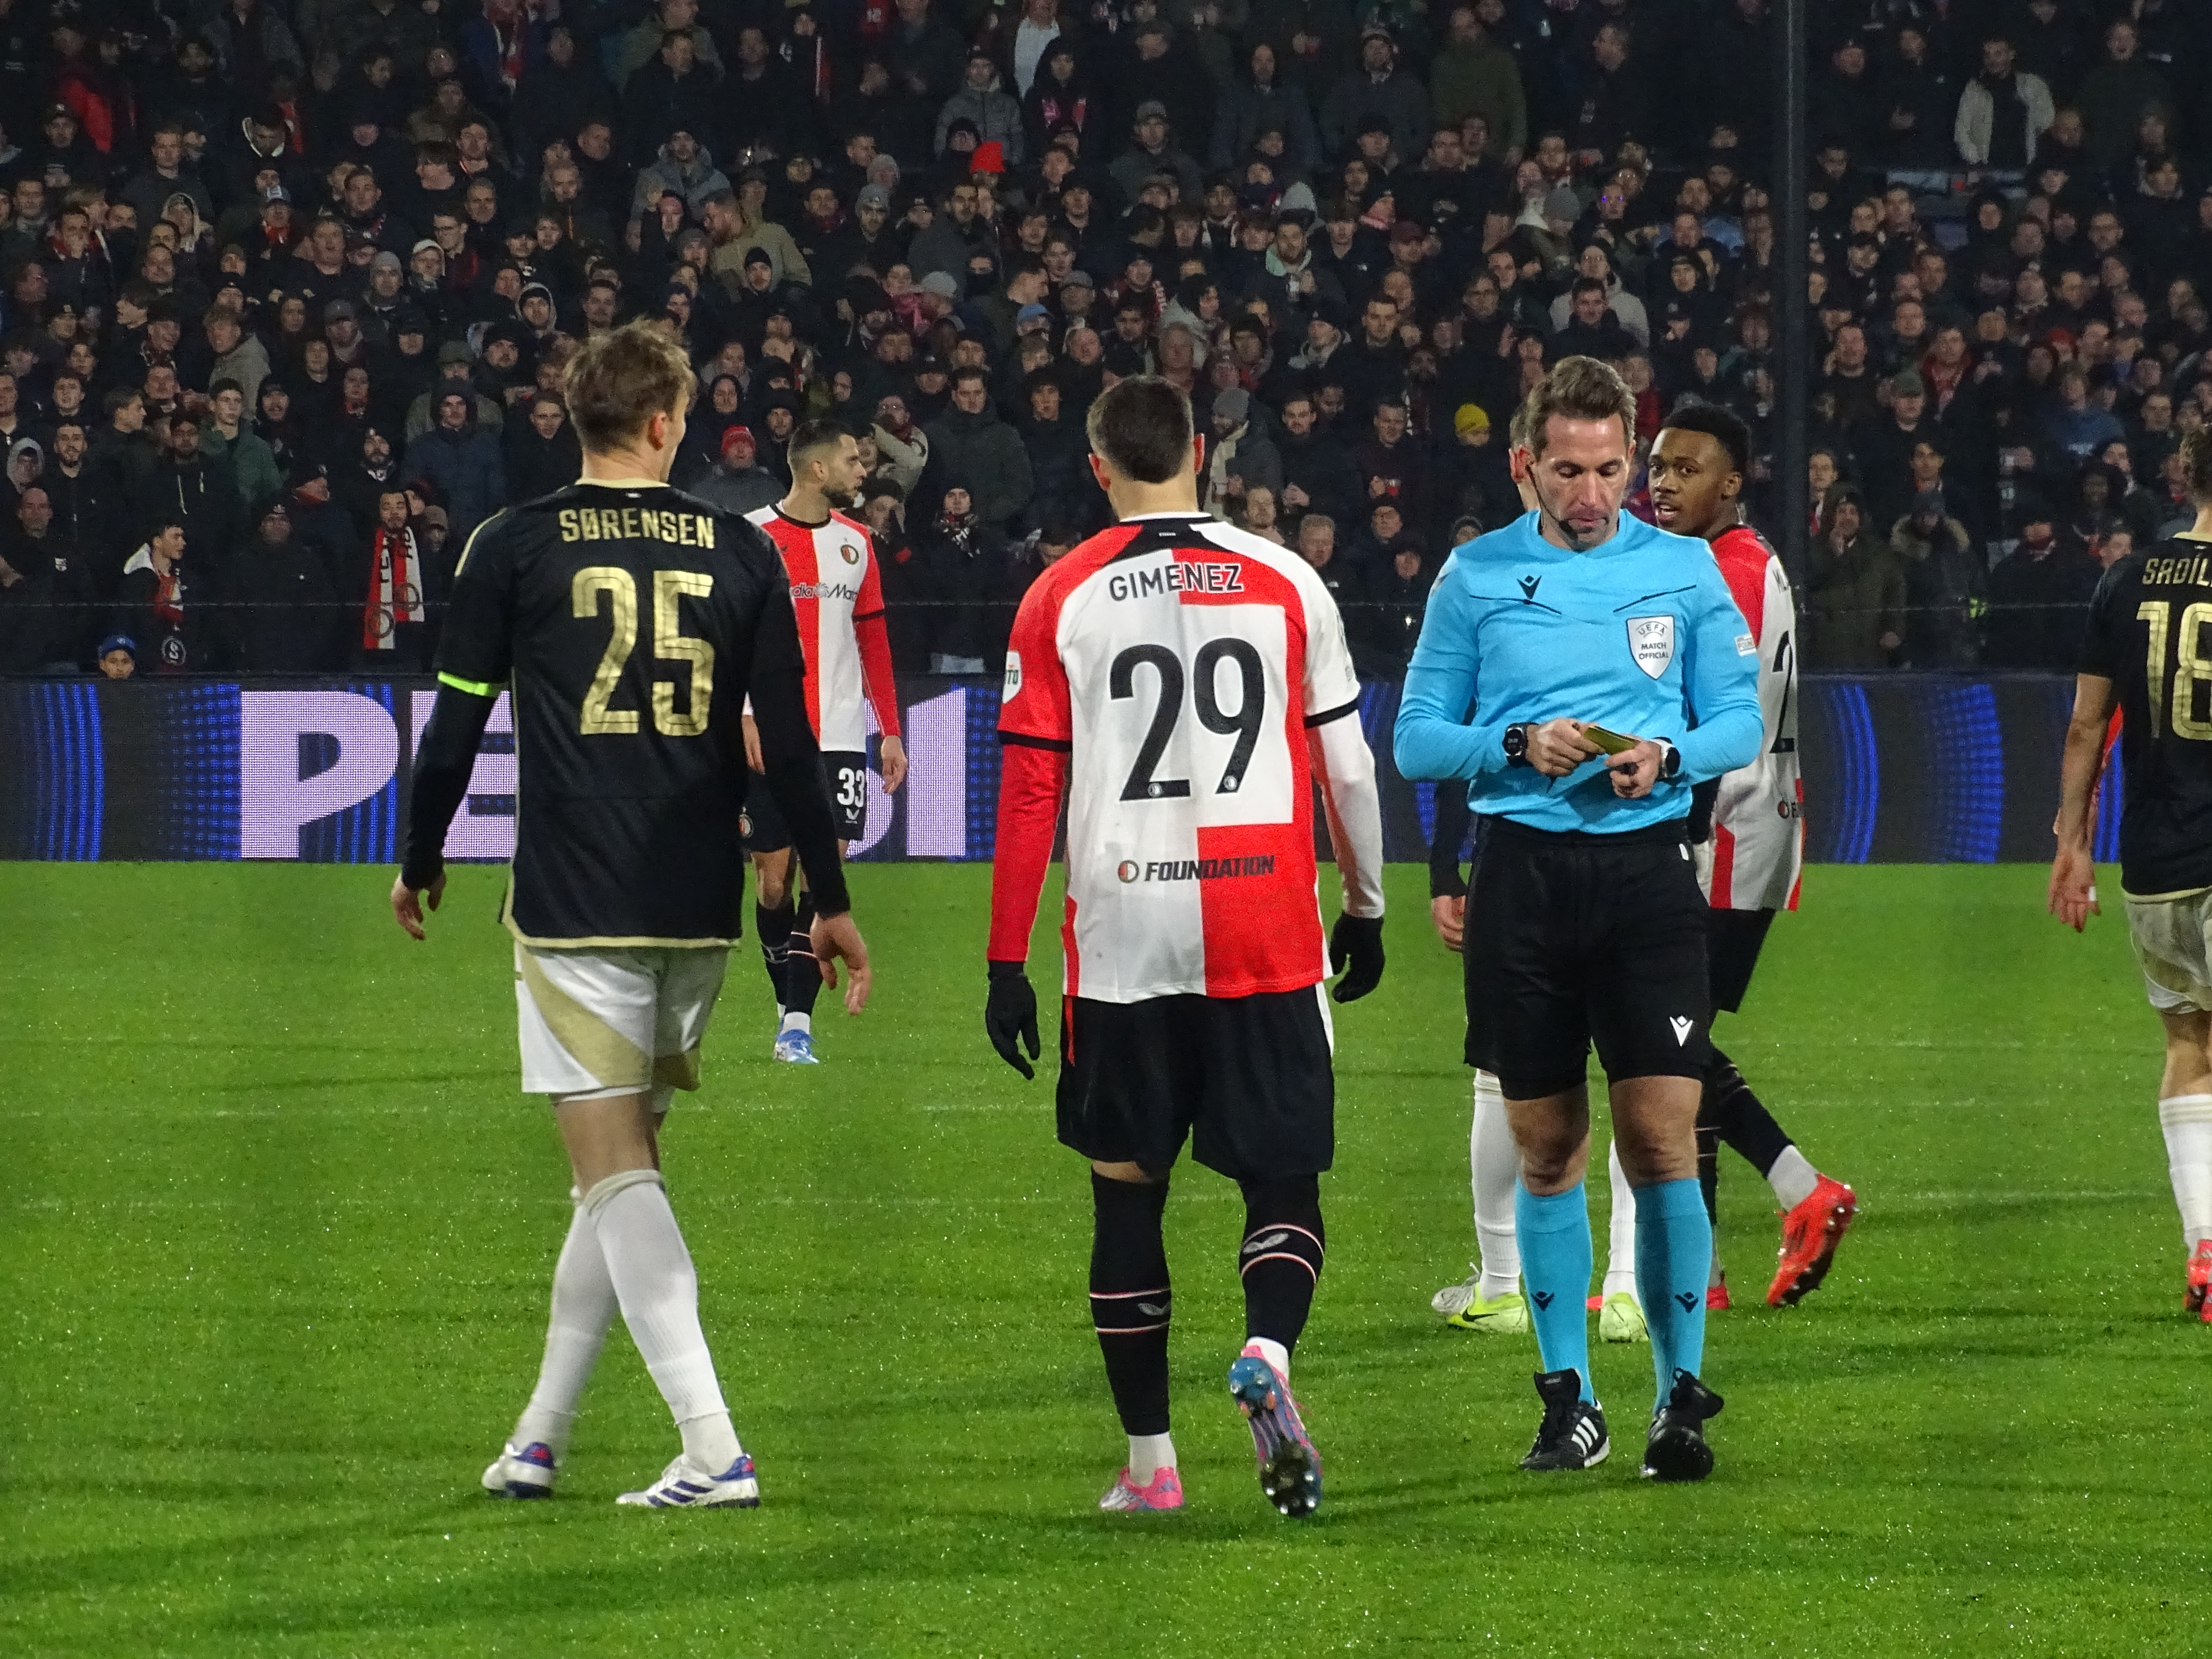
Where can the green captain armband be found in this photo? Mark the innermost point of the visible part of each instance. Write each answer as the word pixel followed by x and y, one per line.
pixel 474 688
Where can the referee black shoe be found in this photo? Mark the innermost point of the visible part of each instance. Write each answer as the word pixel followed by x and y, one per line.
pixel 1677 1448
pixel 1572 1434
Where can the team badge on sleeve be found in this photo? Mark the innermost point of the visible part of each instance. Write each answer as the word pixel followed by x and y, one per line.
pixel 1013 683
pixel 1652 639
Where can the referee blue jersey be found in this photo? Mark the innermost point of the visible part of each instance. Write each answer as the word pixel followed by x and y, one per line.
pixel 1639 635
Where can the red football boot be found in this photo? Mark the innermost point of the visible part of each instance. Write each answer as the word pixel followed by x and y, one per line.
pixel 1810 1233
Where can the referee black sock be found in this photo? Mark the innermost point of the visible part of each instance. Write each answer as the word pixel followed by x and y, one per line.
pixel 774 927
pixel 802 974
pixel 1732 1110
pixel 1130 1299
pixel 1280 1257
pixel 1709 1171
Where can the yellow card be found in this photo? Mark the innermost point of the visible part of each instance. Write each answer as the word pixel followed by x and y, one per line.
pixel 1611 742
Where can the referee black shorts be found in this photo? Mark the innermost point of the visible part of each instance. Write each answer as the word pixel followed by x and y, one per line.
pixel 1573 938
pixel 1248 1080
pixel 845 776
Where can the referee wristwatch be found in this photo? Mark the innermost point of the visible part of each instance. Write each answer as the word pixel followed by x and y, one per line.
pixel 1516 744
pixel 1670 762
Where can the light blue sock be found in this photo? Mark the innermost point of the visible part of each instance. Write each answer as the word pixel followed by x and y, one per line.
pixel 1673 1258
pixel 1555 1264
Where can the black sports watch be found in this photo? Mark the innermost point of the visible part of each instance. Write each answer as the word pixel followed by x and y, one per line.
pixel 1516 744
pixel 1670 762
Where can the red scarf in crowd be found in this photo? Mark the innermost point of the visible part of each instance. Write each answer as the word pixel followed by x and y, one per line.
pixel 169 597
pixel 395 590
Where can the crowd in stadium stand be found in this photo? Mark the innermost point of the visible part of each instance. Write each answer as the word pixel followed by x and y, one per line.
pixel 286 287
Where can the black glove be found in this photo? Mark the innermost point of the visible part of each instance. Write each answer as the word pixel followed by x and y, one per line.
pixel 1358 940
pixel 1011 1013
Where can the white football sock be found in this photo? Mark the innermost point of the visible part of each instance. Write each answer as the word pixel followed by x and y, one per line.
pixel 583 1307
pixel 797 1022
pixel 1148 1454
pixel 2187 1121
pixel 659 1290
pixel 1620 1237
pixel 1792 1178
pixel 1495 1167
pixel 1274 1353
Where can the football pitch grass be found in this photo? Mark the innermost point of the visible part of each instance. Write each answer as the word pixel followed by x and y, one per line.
pixel 278 1226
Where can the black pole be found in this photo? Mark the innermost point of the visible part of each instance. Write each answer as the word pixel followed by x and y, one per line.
pixel 1793 355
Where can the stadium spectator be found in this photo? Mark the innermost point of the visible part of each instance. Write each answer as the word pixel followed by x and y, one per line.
pixel 970 443
pixel 1856 592
pixel 281 615
pixel 2039 596
pixel 738 482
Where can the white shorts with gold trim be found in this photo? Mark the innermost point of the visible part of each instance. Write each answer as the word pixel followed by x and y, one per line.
pixel 2172 939
pixel 614 1018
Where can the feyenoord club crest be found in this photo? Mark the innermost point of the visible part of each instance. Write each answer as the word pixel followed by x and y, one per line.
pixel 1127 870
pixel 852 553
pixel 1651 641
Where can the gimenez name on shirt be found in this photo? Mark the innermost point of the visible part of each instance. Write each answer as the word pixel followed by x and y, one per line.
pixel 1260 864
pixel 1176 576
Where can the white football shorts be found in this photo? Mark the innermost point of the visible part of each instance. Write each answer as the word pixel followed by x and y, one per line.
pixel 2169 936
pixel 594 1020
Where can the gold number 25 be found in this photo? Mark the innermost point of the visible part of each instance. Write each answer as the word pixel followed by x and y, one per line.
pixel 672 644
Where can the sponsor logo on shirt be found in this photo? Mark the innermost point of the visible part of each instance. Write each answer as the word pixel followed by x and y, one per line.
pixel 1260 864
pixel 823 591
pixel 1745 646
pixel 1180 576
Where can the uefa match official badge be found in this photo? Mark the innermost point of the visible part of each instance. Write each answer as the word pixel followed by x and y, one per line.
pixel 1651 641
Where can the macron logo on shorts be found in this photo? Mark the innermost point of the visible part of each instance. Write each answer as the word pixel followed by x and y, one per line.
pixel 1682 1030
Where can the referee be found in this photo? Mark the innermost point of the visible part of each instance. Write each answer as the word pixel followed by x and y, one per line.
pixel 1567 628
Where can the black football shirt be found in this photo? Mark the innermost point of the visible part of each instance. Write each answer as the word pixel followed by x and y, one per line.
pixel 630 620
pixel 2150 633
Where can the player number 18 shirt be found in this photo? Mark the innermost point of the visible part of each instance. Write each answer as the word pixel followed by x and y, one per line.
pixel 1179 661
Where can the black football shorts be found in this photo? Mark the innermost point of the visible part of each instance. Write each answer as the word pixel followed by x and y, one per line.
pixel 1247 1079
pixel 845 775
pixel 1573 938
pixel 1737 937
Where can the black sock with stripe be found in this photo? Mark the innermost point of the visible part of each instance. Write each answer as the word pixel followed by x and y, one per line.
pixel 1280 1256
pixel 1130 1299
pixel 802 974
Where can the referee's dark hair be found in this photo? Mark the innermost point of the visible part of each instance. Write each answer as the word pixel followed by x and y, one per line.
pixel 810 435
pixel 2197 464
pixel 1579 389
pixel 1142 428
pixel 1725 426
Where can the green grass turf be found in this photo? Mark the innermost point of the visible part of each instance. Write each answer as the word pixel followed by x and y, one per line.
pixel 276 1227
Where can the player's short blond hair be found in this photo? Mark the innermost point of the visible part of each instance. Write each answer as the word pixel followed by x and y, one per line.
pixel 619 381
pixel 2197 464
pixel 1574 389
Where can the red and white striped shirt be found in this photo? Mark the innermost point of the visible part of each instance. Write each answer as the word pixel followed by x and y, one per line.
pixel 1759 817
pixel 838 598
pixel 1168 672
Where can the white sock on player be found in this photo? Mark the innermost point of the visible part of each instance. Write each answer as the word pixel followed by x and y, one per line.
pixel 1274 1353
pixel 1148 1454
pixel 1494 1167
pixel 583 1307
pixel 659 1290
pixel 794 1021
pixel 2187 1121
pixel 1620 1237
pixel 1792 1178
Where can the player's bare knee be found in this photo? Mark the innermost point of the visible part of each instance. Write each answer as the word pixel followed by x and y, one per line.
pixel 770 881
pixel 1137 1173
pixel 1551 1135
